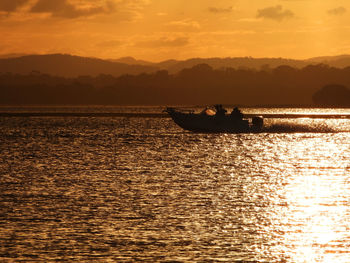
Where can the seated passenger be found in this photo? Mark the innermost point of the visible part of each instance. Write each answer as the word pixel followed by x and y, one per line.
pixel 220 111
pixel 236 114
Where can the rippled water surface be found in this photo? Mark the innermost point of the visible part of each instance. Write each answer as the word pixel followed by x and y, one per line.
pixel 143 190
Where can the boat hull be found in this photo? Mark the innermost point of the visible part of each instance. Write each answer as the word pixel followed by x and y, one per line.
pixel 210 124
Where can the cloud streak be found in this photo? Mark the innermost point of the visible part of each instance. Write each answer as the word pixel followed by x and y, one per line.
pixel 337 11
pixel 185 24
pixel 164 42
pixel 65 9
pixel 275 13
pixel 218 10
pixel 11 5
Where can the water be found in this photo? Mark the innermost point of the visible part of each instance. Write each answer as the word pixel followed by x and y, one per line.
pixel 143 190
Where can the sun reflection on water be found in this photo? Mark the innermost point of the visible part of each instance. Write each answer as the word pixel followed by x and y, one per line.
pixel 315 220
pixel 142 190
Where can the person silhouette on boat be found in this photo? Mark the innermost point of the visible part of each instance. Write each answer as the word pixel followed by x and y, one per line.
pixel 220 111
pixel 236 114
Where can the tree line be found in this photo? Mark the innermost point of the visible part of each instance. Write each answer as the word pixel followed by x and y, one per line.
pixel 318 85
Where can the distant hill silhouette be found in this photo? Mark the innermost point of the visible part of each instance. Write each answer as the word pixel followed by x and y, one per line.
pixel 65 79
pixel 13 55
pixel 244 62
pixel 132 61
pixel 340 61
pixel 73 66
pixel 175 66
pixel 69 66
pixel 199 85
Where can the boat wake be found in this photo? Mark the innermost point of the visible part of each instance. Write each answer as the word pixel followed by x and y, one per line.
pixel 298 128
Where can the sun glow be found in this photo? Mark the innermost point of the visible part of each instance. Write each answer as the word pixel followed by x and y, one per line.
pixel 293 29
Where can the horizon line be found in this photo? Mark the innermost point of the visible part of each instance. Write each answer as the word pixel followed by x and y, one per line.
pixel 18 55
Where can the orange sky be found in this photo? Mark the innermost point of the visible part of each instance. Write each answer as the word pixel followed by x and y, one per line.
pixel 156 30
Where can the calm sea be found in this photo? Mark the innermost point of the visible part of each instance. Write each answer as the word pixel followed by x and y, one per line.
pixel 143 190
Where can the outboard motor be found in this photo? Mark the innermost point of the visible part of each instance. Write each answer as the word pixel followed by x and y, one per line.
pixel 258 122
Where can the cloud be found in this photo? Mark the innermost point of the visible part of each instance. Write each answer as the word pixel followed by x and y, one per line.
pixel 337 11
pixel 65 9
pixel 11 5
pixel 275 13
pixel 123 10
pixel 164 42
pixel 185 24
pixel 220 10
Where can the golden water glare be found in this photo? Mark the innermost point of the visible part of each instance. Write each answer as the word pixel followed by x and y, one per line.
pixel 143 190
pixel 316 209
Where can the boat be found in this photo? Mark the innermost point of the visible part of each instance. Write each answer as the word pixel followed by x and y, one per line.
pixel 215 121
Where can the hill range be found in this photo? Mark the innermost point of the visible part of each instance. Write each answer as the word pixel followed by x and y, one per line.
pixel 65 65
pixel 60 79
